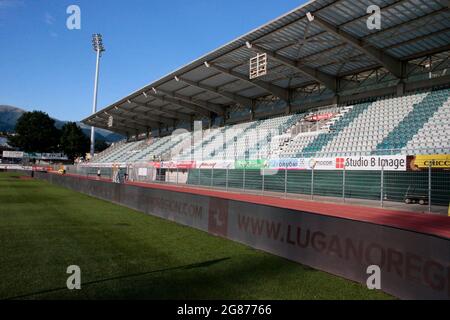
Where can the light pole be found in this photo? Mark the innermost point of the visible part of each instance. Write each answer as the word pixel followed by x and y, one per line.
pixel 97 42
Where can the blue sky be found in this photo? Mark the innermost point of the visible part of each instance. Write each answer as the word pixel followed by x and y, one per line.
pixel 45 66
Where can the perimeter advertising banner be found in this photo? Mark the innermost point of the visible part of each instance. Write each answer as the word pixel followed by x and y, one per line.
pixel 251 164
pixel 436 161
pixel 211 164
pixel 13 154
pixel 178 164
pixel 388 163
pixel 286 163
pixel 367 163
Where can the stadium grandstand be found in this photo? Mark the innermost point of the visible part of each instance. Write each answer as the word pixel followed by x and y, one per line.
pixel 320 137
pixel 315 83
pixel 383 91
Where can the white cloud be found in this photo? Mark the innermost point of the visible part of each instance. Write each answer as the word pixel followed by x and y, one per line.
pixel 49 19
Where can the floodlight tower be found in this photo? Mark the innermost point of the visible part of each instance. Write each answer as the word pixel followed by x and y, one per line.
pixel 97 43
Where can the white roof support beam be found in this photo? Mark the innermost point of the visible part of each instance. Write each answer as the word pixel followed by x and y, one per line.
pixel 146 116
pixel 329 81
pixel 276 91
pixel 133 119
pixel 118 129
pixel 390 63
pixel 172 100
pixel 169 113
pixel 123 125
pixel 198 106
pixel 243 101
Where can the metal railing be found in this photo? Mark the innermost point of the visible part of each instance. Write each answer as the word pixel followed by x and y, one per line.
pixel 421 191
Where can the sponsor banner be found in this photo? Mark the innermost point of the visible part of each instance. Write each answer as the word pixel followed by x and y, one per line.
pixel 318 163
pixel 15 167
pixel 210 164
pixel 251 164
pixel 346 248
pixel 168 164
pixel 13 154
pixel 42 168
pixel 46 156
pixel 178 164
pixel 142 172
pixel 320 117
pixel 155 164
pixel 388 163
pixel 436 161
pixel 287 163
pixel 377 163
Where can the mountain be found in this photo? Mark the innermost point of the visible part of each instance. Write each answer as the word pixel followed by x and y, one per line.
pixel 9 116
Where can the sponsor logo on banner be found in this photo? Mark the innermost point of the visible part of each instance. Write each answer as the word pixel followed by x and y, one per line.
pixel 13 154
pixel 42 168
pixel 215 164
pixel 251 164
pixel 178 164
pixel 340 163
pixel 142 172
pixel 46 156
pixel 288 163
pixel 186 164
pixel 436 161
pixel 335 246
pixel 155 164
pixel 387 163
pixel 218 217
pixel 321 163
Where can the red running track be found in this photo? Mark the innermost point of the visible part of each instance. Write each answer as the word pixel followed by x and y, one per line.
pixel 412 221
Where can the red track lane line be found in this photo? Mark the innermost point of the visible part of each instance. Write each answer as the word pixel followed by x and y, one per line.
pixel 412 221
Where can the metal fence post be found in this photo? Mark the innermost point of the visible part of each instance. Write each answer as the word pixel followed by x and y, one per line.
pixel 243 180
pixel 343 185
pixel 285 182
pixel 199 176
pixel 226 180
pixel 429 187
pixel 177 175
pixel 262 186
pixel 312 183
pixel 382 187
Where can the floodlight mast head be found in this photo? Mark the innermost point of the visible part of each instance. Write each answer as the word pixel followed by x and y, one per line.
pixel 97 43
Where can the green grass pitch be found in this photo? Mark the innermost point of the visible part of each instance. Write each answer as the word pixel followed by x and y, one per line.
pixel 124 254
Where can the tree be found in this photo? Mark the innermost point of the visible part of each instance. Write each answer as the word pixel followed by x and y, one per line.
pixel 100 145
pixel 74 143
pixel 35 132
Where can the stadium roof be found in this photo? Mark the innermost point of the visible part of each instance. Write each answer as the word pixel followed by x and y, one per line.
pixel 330 43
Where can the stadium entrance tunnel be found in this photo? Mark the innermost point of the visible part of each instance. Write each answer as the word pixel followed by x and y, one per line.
pixel 412 250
